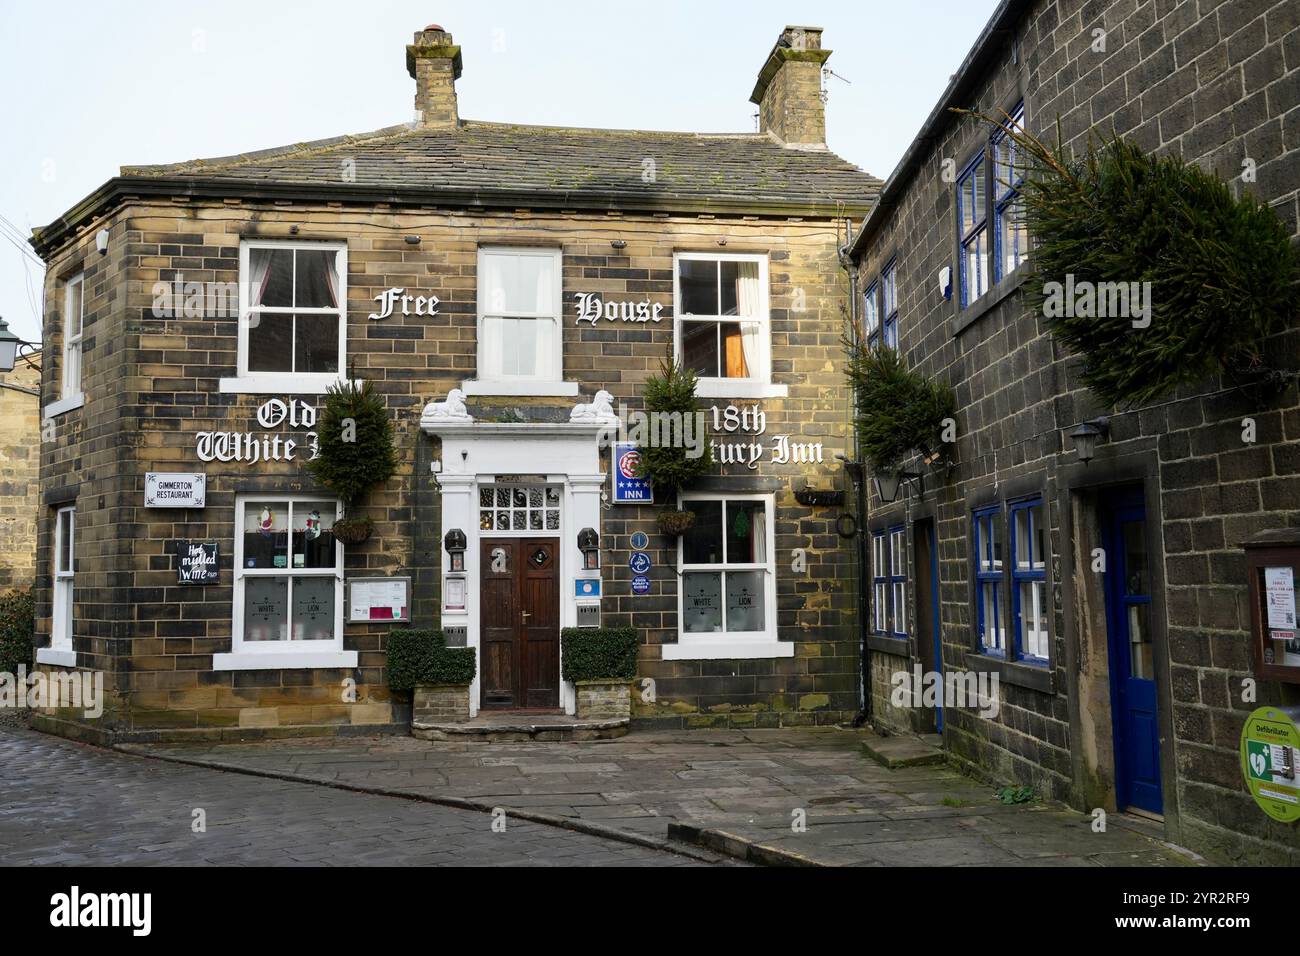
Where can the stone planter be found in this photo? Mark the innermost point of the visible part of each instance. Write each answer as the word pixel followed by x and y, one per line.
pixel 440 703
pixel 604 699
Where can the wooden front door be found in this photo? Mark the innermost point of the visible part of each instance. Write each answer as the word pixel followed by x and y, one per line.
pixel 520 634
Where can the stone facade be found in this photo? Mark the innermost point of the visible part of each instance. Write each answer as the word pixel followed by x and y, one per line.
pixel 1219 84
pixel 20 442
pixel 154 383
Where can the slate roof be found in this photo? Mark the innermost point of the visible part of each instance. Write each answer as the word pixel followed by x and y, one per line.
pixel 590 164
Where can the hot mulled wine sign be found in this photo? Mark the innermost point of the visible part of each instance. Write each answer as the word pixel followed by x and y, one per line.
pixel 196 562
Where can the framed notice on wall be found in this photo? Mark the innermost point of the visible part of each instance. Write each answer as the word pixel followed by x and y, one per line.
pixel 379 599
pixel 1273 570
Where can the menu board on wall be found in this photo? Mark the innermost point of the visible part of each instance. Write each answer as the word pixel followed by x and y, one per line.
pixel 379 599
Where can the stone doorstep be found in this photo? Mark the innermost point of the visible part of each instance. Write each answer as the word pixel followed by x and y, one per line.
pixel 520 726
pixel 903 750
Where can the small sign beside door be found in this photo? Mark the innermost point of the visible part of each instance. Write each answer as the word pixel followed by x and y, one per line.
pixel 586 588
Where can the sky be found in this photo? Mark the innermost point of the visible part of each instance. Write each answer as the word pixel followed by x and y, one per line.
pixel 92 86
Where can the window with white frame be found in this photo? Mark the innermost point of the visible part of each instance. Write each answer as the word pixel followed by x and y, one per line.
pixel 879 584
pixel 988 581
pixel 722 316
pixel 288 574
pixel 727 570
pixel 1029 579
pixel 898 580
pixel 65 543
pixel 293 311
pixel 74 311
pixel 519 327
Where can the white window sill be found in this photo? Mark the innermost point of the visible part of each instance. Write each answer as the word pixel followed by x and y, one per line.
pixel 529 387
pixel 56 656
pixel 283 660
pixel 726 388
pixel 63 405
pixel 279 384
pixel 724 650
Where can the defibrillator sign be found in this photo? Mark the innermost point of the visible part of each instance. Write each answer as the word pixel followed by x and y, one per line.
pixel 1270 746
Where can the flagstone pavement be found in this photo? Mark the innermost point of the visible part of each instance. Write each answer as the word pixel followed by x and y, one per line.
pixel 809 795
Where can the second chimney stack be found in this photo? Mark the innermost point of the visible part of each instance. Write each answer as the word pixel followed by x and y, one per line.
pixel 434 62
pixel 789 88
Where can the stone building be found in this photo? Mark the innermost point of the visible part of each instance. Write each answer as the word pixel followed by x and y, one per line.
pixel 991 570
pixel 20 443
pixel 505 288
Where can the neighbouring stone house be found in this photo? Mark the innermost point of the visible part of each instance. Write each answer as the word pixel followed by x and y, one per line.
pixel 992 569
pixel 20 449
pixel 505 288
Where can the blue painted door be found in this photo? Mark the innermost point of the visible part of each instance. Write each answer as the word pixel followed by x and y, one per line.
pixel 1132 667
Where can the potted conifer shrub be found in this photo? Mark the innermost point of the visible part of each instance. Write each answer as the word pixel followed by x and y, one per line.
pixel 437 676
pixel 355 438
pixel 671 467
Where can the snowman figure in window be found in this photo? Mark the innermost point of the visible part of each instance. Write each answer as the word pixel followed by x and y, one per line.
pixel 266 521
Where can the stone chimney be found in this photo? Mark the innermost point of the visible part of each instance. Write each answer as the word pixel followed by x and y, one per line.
pixel 789 89
pixel 434 62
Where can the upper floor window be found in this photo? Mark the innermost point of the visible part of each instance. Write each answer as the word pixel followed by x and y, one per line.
pixel 871 315
pixel 1029 579
pixel 989 191
pixel 889 303
pixel 74 310
pixel 973 219
pixel 722 321
pixel 988 580
pixel 293 314
pixel 519 295
pixel 1010 237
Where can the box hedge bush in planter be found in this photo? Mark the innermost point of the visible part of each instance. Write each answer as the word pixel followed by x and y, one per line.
pixel 438 676
pixel 602 663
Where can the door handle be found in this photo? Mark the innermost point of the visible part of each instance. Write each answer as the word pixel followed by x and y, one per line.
pixel 525 614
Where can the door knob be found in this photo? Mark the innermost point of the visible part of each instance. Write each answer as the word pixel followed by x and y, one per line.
pixel 525 614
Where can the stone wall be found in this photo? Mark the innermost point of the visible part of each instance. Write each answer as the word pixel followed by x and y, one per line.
pixel 20 449
pixel 1219 84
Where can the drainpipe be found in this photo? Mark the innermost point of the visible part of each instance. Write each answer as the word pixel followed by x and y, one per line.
pixel 857 474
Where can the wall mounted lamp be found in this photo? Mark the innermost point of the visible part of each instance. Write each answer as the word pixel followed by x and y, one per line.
pixel 1085 437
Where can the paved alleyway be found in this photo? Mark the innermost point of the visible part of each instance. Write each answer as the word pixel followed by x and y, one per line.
pixel 753 784
pixel 67 804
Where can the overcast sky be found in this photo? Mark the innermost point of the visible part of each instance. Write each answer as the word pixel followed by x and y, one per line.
pixel 91 86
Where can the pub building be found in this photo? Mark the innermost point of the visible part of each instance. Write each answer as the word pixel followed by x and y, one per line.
pixel 507 290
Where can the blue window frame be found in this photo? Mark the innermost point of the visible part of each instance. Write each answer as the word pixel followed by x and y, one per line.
pixel 880 623
pixel 989 580
pixel 871 315
pixel 889 303
pixel 972 220
pixel 898 581
pixel 1010 237
pixel 1029 579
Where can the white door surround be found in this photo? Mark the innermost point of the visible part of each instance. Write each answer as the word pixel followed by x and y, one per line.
pixel 477 454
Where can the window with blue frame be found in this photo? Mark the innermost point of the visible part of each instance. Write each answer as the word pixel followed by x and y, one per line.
pixel 889 303
pixel 1010 237
pixel 992 237
pixel 989 580
pixel 898 581
pixel 880 584
pixel 871 315
pixel 1029 579
pixel 972 218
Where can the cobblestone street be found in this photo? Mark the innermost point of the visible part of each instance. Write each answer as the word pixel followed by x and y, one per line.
pixel 68 804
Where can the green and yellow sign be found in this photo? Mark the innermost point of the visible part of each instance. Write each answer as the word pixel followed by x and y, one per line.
pixel 1270 753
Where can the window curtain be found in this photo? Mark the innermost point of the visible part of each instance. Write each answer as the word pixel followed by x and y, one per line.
pixel 759 533
pixel 490 348
pixel 259 274
pixel 747 298
pixel 544 303
pixel 332 279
